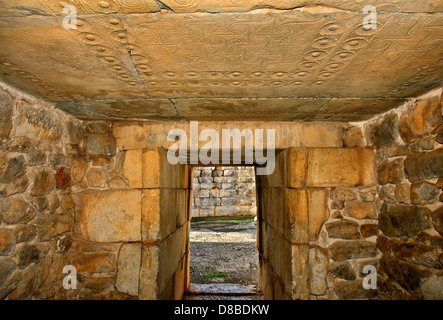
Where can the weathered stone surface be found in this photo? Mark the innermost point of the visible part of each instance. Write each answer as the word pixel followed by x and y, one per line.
pixel 13 177
pixel 407 275
pixel 343 194
pixel 7 267
pixel 403 220
pixel 36 123
pixel 424 165
pixel 36 157
pixel 343 271
pixel 127 278
pixel 432 288
pixel 439 136
pixel 15 211
pixel 7 242
pixel 384 133
pixel 132 168
pixel 353 290
pixel 5 114
pixel 51 225
pixel 109 216
pixel 318 262
pixel 159 173
pixel 99 127
pixel 100 144
pixel 422 118
pixel 369 230
pixel 44 183
pixel 353 137
pixel 25 233
pixel 29 254
pixel 402 192
pixel 340 167
pixel 63 178
pixel 79 170
pixel 387 193
pixel 343 229
pixel 95 178
pixel 423 193
pixel 290 170
pixel 418 254
pixel 385 244
pixel 360 209
pixel 94 263
pixel 437 220
pixel 344 250
pixel 390 171
pixel 317 210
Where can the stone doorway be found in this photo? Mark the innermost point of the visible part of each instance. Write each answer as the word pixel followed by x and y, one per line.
pixel 292 210
pixel 224 258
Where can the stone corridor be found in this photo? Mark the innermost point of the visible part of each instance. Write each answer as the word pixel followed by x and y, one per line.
pixel 95 202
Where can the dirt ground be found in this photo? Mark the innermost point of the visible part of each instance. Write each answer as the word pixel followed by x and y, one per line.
pixel 224 251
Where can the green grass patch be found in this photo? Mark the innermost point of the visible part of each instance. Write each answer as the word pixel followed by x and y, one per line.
pixel 215 275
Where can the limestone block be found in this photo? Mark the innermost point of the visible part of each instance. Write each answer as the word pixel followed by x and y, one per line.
pixel 300 272
pixel 318 269
pixel 159 173
pixel 286 210
pixel 149 270
pixel 94 263
pixel 290 170
pixel 172 251
pixel 127 279
pixel 163 211
pixel 132 168
pixel 112 216
pixel 339 167
pixel 318 211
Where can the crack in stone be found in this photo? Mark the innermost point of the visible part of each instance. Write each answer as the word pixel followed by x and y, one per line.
pixel 164 6
pixel 175 107
pixel 132 60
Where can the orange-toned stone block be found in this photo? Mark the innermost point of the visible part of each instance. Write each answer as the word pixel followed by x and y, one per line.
pixel 112 216
pixel 159 173
pixel 163 211
pixel 290 170
pixel 340 167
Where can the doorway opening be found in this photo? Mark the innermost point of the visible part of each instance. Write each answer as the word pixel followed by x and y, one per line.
pixel 224 259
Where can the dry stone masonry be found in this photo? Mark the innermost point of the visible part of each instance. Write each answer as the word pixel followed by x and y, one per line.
pixel 94 195
pixel 224 191
pixel 86 115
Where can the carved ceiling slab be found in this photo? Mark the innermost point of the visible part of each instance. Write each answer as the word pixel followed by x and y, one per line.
pixel 257 60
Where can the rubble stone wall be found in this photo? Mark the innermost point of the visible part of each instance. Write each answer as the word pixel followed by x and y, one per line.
pixel 407 199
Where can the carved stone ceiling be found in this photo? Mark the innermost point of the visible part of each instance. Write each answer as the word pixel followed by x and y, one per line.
pixel 289 60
